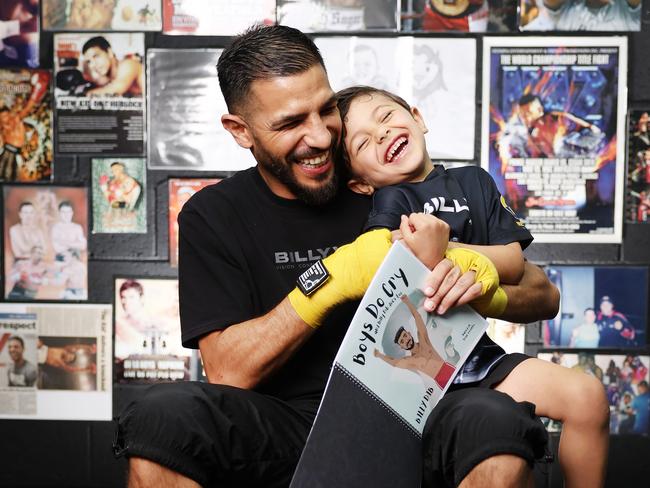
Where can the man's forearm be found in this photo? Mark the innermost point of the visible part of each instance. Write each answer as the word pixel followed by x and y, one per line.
pixel 246 353
pixel 534 298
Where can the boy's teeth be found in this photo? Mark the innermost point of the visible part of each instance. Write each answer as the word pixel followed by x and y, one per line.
pixel 314 161
pixel 394 147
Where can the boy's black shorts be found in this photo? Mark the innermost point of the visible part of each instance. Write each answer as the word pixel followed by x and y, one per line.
pixel 228 437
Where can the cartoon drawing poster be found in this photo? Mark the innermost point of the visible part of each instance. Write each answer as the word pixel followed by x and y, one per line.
pixel 553 133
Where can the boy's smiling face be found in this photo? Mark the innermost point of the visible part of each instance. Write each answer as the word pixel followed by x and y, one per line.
pixel 385 143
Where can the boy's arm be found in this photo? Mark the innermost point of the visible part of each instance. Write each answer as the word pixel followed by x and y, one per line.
pixel 508 259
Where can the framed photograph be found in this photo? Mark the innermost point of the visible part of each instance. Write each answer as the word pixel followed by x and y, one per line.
pixel 19 33
pixel 102 15
pixel 625 379
pixel 26 151
pixel 580 15
pixel 185 104
pixel 180 191
pixel 148 345
pixel 637 192
pixel 600 307
pixel 339 15
pixel 436 75
pixel 99 93
pixel 55 361
pixel 119 197
pixel 215 18
pixel 553 133
pixel 45 243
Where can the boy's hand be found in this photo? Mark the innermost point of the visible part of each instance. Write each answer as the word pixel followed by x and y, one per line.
pixel 426 236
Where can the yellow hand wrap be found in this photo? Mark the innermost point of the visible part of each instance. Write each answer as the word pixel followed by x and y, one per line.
pixel 351 269
pixel 493 299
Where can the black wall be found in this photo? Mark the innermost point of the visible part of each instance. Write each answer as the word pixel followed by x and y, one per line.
pixel 78 454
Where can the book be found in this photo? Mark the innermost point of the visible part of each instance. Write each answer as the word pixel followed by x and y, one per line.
pixel 394 365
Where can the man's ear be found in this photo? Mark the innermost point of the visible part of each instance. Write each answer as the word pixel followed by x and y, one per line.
pixel 238 128
pixel 361 187
pixel 419 119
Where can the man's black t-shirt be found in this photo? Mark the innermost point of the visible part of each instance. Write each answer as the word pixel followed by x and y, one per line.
pixel 469 201
pixel 241 249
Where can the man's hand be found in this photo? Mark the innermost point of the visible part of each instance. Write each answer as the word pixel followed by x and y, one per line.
pixel 447 286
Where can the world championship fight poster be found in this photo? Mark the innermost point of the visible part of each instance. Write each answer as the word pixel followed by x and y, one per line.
pixel 99 93
pixel 553 133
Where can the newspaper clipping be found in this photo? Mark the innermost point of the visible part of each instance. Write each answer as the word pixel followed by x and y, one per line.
pixel 94 15
pixel 99 93
pixel 55 361
pixel 554 133
pixel 185 104
pixel 435 75
pixel 25 125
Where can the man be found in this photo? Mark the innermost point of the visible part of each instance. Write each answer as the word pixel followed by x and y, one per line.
pixel 243 242
pixel 422 355
pixel 21 372
pixel 109 75
pixel 25 234
pixel 591 15
pixel 586 335
pixel 66 234
pixel 641 407
pixel 121 192
pixel 614 327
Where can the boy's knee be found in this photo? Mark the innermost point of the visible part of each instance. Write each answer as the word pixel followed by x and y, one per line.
pixel 589 403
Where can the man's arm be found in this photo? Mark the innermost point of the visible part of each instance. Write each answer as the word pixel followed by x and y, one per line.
pixel 419 323
pixel 244 354
pixel 534 298
pixel 128 71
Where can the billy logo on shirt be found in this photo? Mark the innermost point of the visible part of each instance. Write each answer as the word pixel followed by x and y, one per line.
pixel 301 259
pixel 442 204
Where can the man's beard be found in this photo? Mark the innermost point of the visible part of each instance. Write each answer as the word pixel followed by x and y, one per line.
pixel 309 195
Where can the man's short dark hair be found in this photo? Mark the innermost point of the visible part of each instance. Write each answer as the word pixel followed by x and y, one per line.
pixel 643 383
pixel 23 205
pixel 117 163
pixel 262 53
pixel 588 309
pixel 97 41
pixel 19 339
pixel 344 99
pixel 131 284
pixel 398 334
pixel 529 98
pixel 65 203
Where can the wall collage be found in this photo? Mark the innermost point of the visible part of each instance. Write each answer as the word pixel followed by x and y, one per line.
pixel 552 127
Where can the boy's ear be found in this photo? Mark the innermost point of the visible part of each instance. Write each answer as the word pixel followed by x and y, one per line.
pixel 239 129
pixel 361 187
pixel 419 119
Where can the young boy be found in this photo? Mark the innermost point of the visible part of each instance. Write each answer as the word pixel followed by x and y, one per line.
pixel 384 150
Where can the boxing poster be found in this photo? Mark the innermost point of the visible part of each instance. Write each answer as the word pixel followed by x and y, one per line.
pixel 436 75
pixel 185 105
pixel 180 191
pixel 55 361
pixel 459 16
pixel 580 15
pixel 600 307
pixel 45 243
pixel 119 199
pixel 102 15
pixel 26 151
pixel 625 379
pixel 99 93
pixel 215 18
pixel 637 192
pixel 339 15
pixel 553 133
pixel 19 34
pixel 148 345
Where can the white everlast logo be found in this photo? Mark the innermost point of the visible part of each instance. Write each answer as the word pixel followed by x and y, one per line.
pixel 441 204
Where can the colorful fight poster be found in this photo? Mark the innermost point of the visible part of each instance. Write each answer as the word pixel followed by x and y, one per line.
pixel 102 15
pixel 45 243
pixel 148 332
pixel 19 35
pixel 119 199
pixel 215 18
pixel 580 15
pixel 637 195
pixel 339 15
pixel 435 75
pixel 183 114
pixel 180 191
pixel 600 307
pixel 625 379
pixel 553 133
pixel 99 93
pixel 26 125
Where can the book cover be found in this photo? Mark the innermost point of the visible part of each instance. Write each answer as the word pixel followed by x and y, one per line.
pixel 394 365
